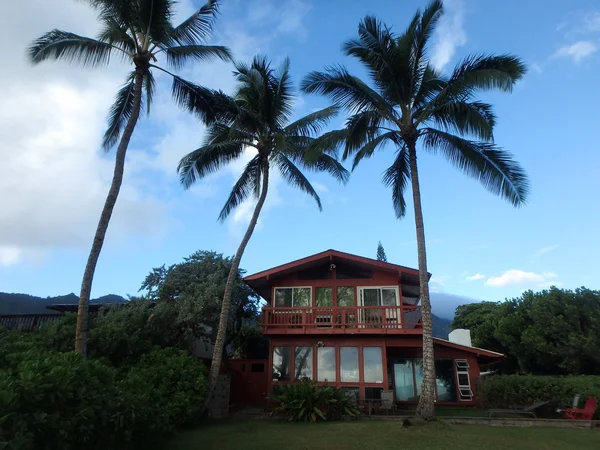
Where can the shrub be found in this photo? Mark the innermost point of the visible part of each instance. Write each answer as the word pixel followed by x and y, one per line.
pixel 508 391
pixel 308 402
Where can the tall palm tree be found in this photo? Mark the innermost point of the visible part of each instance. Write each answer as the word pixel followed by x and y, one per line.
pixel 138 31
pixel 258 116
pixel 411 102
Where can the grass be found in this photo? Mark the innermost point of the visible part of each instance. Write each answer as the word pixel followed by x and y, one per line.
pixel 377 435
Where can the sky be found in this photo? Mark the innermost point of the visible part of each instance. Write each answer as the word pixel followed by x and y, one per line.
pixel 54 177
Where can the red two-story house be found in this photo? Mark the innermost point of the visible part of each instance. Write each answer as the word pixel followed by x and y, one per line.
pixel 355 323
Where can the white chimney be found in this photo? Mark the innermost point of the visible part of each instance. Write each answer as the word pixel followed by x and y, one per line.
pixel 460 336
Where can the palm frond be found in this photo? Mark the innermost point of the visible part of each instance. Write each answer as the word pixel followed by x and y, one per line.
pixel 115 33
pixel 371 146
pixel 198 26
pixel 329 164
pixel 247 184
pixel 361 128
pixel 155 19
pixel 474 118
pixel 283 97
pixel 294 177
pixel 207 160
pixel 177 57
pixel 397 177
pixel 345 90
pixel 420 35
pixel 120 112
pixel 490 165
pixel 149 85
pixel 58 44
pixel 312 123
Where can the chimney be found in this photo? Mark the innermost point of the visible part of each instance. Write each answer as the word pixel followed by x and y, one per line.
pixel 460 336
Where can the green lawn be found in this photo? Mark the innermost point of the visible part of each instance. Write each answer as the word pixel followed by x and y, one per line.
pixel 377 435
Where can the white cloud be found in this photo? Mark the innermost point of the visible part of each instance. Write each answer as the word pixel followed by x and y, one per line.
pixel 543 251
pixel 475 277
pixel 517 277
pixel 577 51
pixel 591 21
pixel 437 283
pixel 449 33
pixel 536 68
pixel 319 187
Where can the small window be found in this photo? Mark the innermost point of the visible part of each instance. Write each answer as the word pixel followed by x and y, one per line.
pixel 345 296
pixel 353 393
pixel 257 368
pixel 324 296
pixel 243 367
pixel 349 365
pixel 464 383
pixel 290 297
pixel 326 364
pixel 303 367
pixel 372 365
pixel 281 363
pixel 462 364
pixel 373 393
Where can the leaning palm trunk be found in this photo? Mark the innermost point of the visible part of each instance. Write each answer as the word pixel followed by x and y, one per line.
pixel 109 204
pixel 425 408
pixel 233 273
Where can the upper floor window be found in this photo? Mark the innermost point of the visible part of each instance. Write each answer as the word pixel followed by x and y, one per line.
pixel 294 296
pixel 378 296
pixel 324 296
pixel 345 296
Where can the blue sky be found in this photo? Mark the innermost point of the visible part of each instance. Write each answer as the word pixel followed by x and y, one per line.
pixel 479 246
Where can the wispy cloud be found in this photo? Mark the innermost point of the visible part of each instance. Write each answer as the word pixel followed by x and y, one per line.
pixel 543 251
pixel 516 277
pixel 437 283
pixel 449 33
pixel 475 277
pixel 577 51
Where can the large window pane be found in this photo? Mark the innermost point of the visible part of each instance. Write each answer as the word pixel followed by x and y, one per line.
pixel 303 367
pixel 444 380
pixel 371 297
pixel 283 297
pixel 281 363
pixel 372 365
pixel 349 364
pixel 418 363
pixel 324 296
pixel 326 364
pixel 388 297
pixel 404 381
pixel 302 297
pixel 345 296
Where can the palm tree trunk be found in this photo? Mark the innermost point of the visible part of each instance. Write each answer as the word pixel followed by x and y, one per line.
pixel 233 274
pixel 109 204
pixel 425 408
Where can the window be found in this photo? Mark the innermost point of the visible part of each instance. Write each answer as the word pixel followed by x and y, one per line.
pixel 288 297
pixel 345 296
pixel 418 365
pixel 404 380
pixel 373 393
pixel 303 366
pixel 281 363
pixel 324 296
pixel 351 392
pixel 444 380
pixel 385 296
pixel 326 364
pixel 257 368
pixel 464 383
pixel 372 365
pixel 349 365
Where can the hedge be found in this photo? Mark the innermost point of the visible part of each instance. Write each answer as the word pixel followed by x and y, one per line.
pixel 510 391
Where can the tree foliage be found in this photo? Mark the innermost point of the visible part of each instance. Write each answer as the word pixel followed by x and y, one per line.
pixel 554 331
pixel 381 256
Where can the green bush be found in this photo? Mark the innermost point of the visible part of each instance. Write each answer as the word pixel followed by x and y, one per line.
pixel 308 402
pixel 51 400
pixel 508 391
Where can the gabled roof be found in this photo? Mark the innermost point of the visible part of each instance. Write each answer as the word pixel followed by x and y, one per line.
pixel 408 277
pixel 478 351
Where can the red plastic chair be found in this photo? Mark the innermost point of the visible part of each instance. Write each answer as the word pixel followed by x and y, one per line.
pixel 582 414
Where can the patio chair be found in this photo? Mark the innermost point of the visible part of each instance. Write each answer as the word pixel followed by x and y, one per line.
pixel 387 401
pixel 585 413
pixel 525 411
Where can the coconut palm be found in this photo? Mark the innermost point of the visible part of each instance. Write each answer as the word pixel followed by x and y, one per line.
pixel 258 117
pixel 410 102
pixel 139 31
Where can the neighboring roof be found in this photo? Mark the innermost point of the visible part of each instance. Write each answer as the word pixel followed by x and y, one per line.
pixel 408 277
pixel 68 307
pixel 478 351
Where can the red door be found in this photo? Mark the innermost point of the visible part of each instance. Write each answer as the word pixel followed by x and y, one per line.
pixel 249 381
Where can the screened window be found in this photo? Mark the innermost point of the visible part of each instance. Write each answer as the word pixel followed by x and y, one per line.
pixel 289 297
pixel 326 364
pixel 281 363
pixel 324 296
pixel 349 365
pixel 303 367
pixel 345 296
pixel 372 365
pixel 464 383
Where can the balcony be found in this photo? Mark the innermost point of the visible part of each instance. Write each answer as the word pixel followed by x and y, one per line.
pixel 403 319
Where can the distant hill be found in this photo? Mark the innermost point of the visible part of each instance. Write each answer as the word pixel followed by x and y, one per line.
pixel 30 304
pixel 441 327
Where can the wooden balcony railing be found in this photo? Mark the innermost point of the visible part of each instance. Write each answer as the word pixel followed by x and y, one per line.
pixel 344 319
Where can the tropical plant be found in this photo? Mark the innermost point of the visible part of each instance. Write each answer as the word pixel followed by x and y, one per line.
pixel 381 256
pixel 258 117
pixel 138 31
pixel 308 402
pixel 411 102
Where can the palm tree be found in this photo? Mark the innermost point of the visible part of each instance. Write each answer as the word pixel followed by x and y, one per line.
pixel 138 31
pixel 411 102
pixel 258 117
